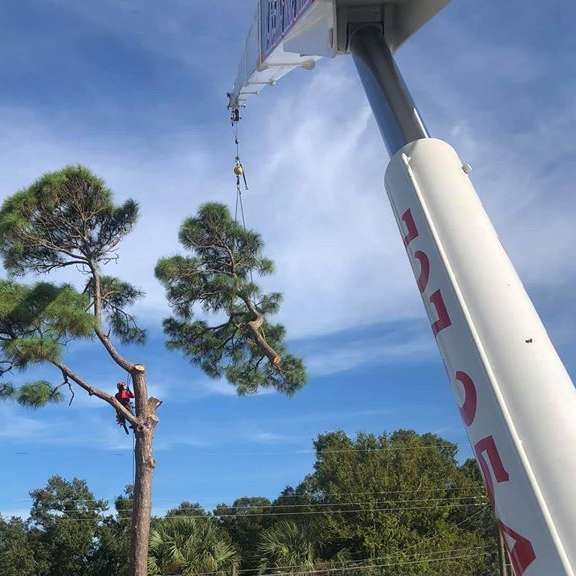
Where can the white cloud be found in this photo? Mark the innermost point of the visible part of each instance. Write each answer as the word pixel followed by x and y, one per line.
pixel 15 426
pixel 315 165
pixel 368 352
pixel 263 437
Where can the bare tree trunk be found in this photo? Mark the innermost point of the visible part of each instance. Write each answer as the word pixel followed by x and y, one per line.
pixel 144 456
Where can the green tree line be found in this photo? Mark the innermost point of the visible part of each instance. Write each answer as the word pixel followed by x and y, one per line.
pixel 396 504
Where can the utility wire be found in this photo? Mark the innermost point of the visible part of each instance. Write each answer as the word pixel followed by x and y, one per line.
pixel 324 504
pixel 332 451
pixel 364 504
pixel 363 560
pixel 272 503
pixel 431 537
pixel 366 566
pixel 427 539
pixel 310 451
pixel 237 510
pixel 212 516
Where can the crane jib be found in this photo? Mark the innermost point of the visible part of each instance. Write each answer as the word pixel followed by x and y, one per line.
pixel 278 17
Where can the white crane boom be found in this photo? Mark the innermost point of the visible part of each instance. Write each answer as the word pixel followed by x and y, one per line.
pixel 516 399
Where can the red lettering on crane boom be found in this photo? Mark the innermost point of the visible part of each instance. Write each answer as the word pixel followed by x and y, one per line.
pixel 468 409
pixel 437 300
pixel 488 446
pixel 424 275
pixel 412 231
pixel 522 553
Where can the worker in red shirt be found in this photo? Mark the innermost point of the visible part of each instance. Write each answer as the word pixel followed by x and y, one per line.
pixel 124 396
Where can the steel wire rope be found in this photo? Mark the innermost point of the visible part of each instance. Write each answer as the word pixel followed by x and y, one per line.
pixel 239 171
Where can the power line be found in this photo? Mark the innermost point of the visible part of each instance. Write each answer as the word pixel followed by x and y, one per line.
pixel 334 450
pixel 365 566
pixel 431 537
pixel 327 504
pixel 371 559
pixel 427 539
pixel 301 513
pixel 308 451
pixel 221 498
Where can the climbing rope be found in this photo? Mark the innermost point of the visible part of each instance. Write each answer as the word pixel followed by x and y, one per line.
pixel 133 441
pixel 133 460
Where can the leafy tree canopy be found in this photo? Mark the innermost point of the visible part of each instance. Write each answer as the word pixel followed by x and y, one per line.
pixel 400 498
pixel 16 552
pixel 186 509
pixel 65 218
pixel 244 521
pixel 64 521
pixel 285 547
pixel 68 218
pixel 35 324
pixel 111 551
pixel 217 279
pixel 116 296
pixel 190 546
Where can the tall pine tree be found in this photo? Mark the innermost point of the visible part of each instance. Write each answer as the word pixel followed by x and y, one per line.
pixel 68 219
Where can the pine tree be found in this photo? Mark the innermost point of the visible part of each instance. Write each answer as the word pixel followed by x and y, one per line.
pixel 67 219
pixel 217 280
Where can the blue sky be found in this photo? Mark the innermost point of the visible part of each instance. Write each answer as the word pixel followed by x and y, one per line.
pixel 135 89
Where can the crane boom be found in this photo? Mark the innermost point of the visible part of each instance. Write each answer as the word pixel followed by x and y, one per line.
pixel 289 34
pixel 515 397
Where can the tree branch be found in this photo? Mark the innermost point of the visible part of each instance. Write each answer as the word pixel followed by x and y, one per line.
pixel 104 338
pixel 97 293
pixel 7 363
pixel 66 383
pixel 114 354
pixel 92 391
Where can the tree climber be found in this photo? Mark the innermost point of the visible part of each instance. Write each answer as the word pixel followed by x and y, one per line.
pixel 124 395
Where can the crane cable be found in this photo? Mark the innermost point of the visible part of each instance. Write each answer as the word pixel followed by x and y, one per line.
pixel 239 171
